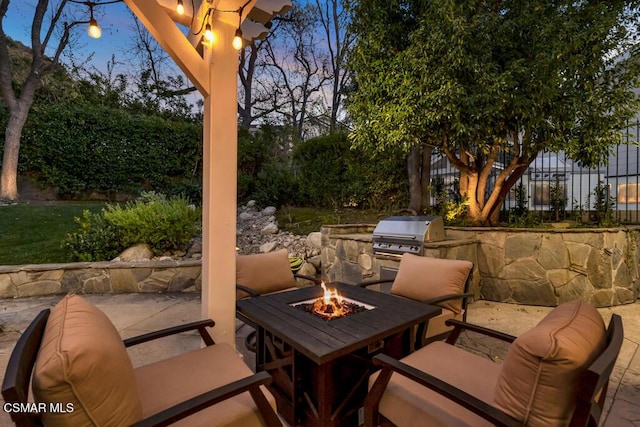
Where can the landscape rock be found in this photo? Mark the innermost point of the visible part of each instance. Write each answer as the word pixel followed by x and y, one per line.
pixel 269 210
pixel 140 252
pixel 270 228
pixel 268 247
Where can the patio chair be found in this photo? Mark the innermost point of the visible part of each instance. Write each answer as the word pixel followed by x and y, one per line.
pixel 82 375
pixel 556 374
pixel 441 282
pixel 261 274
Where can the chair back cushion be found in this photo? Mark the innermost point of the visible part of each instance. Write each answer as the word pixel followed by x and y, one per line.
pixel 82 361
pixel 264 273
pixel 423 278
pixel 540 375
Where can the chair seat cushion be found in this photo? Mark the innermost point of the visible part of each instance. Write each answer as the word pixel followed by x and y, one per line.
pixel 424 278
pixel 82 361
pixel 171 381
pixel 539 380
pixel 407 403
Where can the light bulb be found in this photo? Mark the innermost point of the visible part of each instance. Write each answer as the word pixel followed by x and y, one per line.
pixel 237 40
pixel 208 34
pixel 180 8
pixel 94 30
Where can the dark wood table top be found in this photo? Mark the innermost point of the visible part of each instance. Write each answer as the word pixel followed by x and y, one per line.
pixel 324 340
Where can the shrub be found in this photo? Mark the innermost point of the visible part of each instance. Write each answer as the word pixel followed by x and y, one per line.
pixel 97 240
pixel 164 224
pixel 276 185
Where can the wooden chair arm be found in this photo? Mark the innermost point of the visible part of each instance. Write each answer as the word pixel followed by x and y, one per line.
pixel 462 398
pixel 373 282
pixel 205 400
pixel 252 293
pixel 303 276
pixel 438 300
pixel 459 326
pixel 200 325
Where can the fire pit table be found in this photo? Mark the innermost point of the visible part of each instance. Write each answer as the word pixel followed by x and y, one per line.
pixel 320 367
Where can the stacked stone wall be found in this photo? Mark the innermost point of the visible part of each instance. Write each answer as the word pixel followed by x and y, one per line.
pixel 537 267
pixel 100 277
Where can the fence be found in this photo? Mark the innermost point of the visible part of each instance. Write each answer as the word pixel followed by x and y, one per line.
pixel 557 188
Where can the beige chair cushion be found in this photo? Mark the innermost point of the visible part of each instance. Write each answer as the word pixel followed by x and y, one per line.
pixel 538 382
pixel 409 404
pixel 169 382
pixel 424 278
pixel 264 273
pixel 83 361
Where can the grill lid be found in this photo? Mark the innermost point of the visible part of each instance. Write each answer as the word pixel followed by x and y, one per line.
pixel 397 235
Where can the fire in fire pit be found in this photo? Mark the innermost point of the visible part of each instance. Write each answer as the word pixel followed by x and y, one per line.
pixel 331 305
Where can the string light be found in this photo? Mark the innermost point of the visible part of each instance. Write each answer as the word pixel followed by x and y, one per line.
pixel 180 7
pixel 237 42
pixel 94 29
pixel 208 33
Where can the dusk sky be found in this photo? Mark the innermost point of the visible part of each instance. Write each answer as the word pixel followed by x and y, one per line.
pixel 115 20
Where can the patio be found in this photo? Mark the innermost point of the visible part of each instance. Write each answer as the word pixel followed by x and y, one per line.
pixel 134 314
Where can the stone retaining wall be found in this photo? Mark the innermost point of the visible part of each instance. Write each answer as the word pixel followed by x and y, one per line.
pixel 550 266
pixel 100 278
pixel 537 267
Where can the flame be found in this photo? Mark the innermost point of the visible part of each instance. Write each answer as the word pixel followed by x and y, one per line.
pixel 330 305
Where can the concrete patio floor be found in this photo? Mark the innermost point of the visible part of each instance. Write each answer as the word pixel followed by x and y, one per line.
pixel 134 314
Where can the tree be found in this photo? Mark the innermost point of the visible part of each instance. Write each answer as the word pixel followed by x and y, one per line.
pixel 481 79
pixel 18 96
pixel 384 115
pixel 333 18
pixel 297 69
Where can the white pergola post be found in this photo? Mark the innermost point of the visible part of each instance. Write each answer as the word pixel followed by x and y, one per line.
pixel 220 154
pixel 215 76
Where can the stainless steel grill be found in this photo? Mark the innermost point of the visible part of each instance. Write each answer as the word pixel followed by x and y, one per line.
pixel 397 235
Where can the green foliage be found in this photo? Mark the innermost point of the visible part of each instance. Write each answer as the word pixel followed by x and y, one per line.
pixel 522 201
pixel 165 224
pixel 97 240
pixel 276 185
pixel 78 147
pixel 528 220
pixel 323 165
pixel 332 173
pixel 475 79
pixel 604 205
pixel 449 204
pixel 557 200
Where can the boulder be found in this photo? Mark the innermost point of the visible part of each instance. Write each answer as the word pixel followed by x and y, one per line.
pixel 139 252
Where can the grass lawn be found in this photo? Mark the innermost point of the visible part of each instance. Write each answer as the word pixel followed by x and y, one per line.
pixel 303 221
pixel 33 233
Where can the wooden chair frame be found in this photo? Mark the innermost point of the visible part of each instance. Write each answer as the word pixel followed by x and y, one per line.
pixel 15 386
pixel 589 402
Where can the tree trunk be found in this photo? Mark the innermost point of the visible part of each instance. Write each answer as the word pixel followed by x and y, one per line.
pixel 415 182
pixel 8 180
pixel 426 176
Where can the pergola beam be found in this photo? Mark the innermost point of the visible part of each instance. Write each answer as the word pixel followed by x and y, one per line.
pixel 169 36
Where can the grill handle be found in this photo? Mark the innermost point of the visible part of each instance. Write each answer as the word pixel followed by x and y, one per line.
pixel 396 236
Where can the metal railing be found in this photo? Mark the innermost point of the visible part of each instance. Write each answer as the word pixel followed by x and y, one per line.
pixel 558 188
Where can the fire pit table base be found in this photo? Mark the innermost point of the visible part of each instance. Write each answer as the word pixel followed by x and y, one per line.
pixel 325 395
